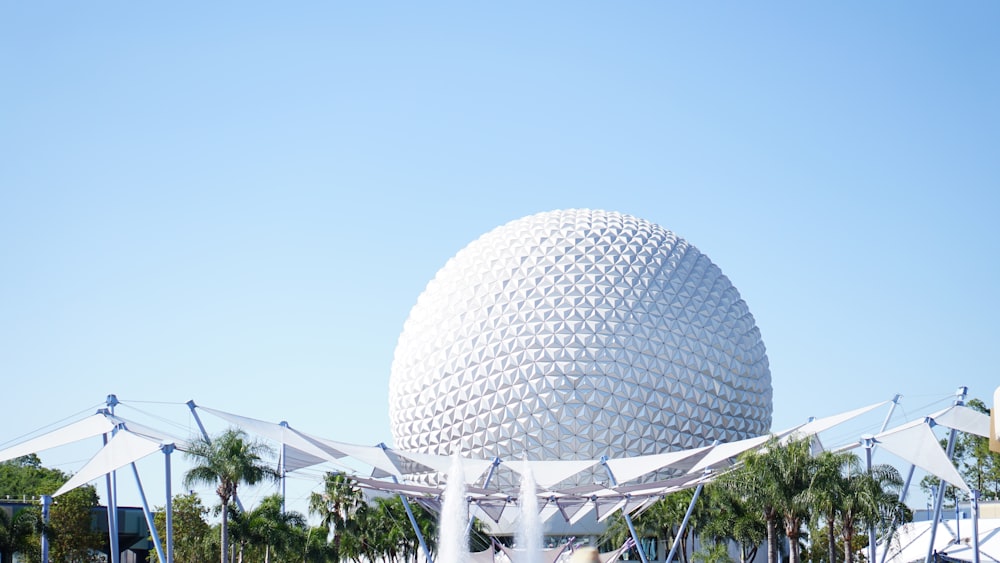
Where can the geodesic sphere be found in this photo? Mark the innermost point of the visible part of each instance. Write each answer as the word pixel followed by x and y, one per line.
pixel 576 334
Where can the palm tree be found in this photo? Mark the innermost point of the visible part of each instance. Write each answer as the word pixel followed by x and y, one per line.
pixel 340 500
pixel 267 528
pixel 228 461
pixel 315 547
pixel 776 479
pixel 870 499
pixel 732 519
pixel 828 489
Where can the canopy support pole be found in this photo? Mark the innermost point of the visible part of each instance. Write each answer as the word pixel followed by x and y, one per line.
pixel 413 520
pixel 869 444
pixel 939 499
pixel 625 515
pixel 157 545
pixel 46 504
pixel 167 449
pixel 111 482
pixel 975 526
pixel 885 423
pixel 486 484
pixel 284 478
pixel 902 498
pixel 684 523
pixel 197 420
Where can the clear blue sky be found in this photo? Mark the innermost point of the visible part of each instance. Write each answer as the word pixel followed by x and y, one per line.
pixel 239 202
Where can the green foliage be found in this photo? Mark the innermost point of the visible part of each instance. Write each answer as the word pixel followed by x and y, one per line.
pixel 734 520
pixel 267 531
pixel 775 480
pixel 713 553
pixel 17 528
pixel 71 531
pixel 190 530
pixel 25 476
pixel 340 500
pixel 228 461
pixel 381 530
pixel 315 547
pixel 979 465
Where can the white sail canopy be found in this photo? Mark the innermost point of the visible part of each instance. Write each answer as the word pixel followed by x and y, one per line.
pixel 472 469
pixel 823 424
pixel 916 443
pixel 965 419
pixel 123 449
pixel 93 425
pixel 548 473
pixel 627 468
pixel 298 453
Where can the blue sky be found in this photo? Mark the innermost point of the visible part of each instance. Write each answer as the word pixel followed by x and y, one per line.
pixel 238 203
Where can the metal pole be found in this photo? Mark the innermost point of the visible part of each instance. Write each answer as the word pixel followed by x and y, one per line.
pixel 412 518
pixel 869 443
pixel 975 526
pixel 687 516
pixel 902 498
pixel 46 503
pixel 284 479
pixel 885 423
pixel 486 484
pixel 112 509
pixel 625 515
pixel 167 449
pixel 958 523
pixel 871 531
pixel 959 400
pixel 197 420
pixel 149 517
pixel 111 401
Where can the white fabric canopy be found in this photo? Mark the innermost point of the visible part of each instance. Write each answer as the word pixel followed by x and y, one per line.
pixel 485 556
pixel 372 455
pixel 398 488
pixel 472 469
pixel 916 443
pixel 612 556
pixel 93 425
pixel 910 542
pixel 549 472
pixel 627 468
pixel 723 454
pixel 549 555
pixel 299 452
pixel 122 449
pixel 823 424
pixel 148 431
pixel 964 419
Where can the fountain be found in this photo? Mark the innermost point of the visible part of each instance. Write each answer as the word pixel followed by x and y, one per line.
pixel 453 543
pixel 528 539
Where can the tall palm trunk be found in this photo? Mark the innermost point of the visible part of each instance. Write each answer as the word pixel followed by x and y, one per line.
pixel 792 526
pixel 848 539
pixel 224 530
pixel 831 540
pixel 772 537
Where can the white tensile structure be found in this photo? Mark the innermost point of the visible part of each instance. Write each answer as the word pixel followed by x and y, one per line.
pixel 576 334
pixel 628 492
